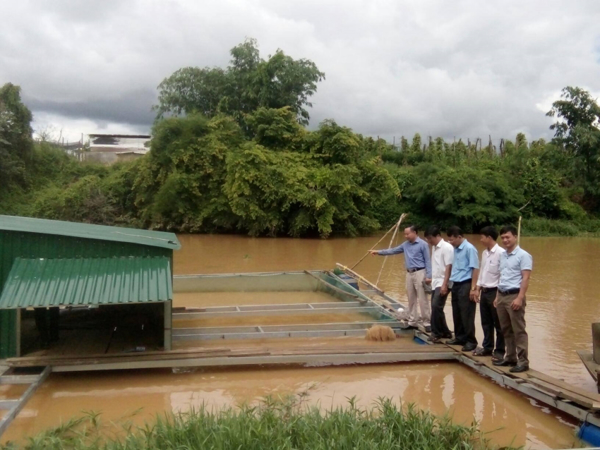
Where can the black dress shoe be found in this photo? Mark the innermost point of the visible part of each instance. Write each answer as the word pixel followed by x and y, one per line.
pixel 447 336
pixel 519 368
pixel 504 362
pixel 469 347
pixel 455 342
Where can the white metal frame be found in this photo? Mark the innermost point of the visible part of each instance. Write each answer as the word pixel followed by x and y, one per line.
pixel 283 331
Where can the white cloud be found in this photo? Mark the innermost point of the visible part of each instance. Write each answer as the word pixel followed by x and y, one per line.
pixel 463 68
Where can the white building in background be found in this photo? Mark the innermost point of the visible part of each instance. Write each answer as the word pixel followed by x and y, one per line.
pixel 110 148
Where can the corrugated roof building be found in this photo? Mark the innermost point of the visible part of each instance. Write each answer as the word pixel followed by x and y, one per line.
pixel 46 263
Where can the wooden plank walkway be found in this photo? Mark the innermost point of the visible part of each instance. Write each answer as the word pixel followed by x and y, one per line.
pixel 333 352
pixel 587 358
pixel 576 402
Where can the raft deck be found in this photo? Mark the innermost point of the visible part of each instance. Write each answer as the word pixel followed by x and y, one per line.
pixel 306 343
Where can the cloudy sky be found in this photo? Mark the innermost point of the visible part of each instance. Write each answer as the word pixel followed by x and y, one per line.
pixel 443 68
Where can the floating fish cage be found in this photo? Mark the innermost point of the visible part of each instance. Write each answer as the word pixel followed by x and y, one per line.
pixel 339 302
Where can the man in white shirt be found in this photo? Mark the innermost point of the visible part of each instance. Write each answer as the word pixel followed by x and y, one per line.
pixel 487 287
pixel 442 255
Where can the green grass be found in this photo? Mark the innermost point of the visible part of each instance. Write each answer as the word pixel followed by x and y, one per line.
pixel 273 424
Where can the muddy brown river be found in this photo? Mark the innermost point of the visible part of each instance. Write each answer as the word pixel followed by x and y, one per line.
pixel 562 303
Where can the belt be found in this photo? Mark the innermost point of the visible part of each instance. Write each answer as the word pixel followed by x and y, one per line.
pixel 484 289
pixel 509 292
pixel 462 282
pixel 415 270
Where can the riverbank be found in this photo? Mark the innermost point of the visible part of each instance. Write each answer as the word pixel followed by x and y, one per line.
pixel 275 423
pixel 541 227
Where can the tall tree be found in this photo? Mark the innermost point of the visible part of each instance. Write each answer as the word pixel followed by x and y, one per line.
pixel 15 135
pixel 248 83
pixel 576 130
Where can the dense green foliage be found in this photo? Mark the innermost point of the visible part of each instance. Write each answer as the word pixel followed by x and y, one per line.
pixel 230 153
pixel 203 175
pixel 249 83
pixel 578 134
pixel 15 137
pixel 456 183
pixel 275 424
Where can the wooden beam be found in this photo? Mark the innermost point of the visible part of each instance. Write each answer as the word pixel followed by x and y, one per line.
pixel 8 404
pixel 168 339
pixel 20 403
pixel 577 411
pixel 274 310
pixel 306 359
pixel 18 379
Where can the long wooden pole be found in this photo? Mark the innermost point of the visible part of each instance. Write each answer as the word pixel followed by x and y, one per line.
pixel 519 231
pixel 395 226
pixel 389 246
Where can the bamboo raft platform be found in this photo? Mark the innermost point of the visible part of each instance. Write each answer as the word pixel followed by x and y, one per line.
pixel 578 403
pixel 587 358
pixel 309 344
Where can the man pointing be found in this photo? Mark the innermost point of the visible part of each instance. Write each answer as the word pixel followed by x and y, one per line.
pixel 418 268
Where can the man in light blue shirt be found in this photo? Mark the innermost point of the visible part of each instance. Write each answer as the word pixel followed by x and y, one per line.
pixel 418 268
pixel 465 270
pixel 515 269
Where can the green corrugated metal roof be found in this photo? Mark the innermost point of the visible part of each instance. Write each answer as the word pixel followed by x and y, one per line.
pixel 89 231
pixel 90 281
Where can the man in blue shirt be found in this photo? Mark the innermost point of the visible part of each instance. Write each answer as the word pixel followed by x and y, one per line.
pixel 465 270
pixel 418 268
pixel 515 269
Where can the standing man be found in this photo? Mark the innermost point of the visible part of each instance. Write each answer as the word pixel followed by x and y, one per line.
pixel 515 269
pixel 465 270
pixel 418 268
pixel 442 255
pixel 487 285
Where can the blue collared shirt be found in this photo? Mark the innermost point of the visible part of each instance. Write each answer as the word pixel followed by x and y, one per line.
pixel 465 260
pixel 416 254
pixel 511 265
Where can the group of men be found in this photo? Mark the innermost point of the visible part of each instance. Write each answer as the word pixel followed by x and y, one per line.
pixel 499 284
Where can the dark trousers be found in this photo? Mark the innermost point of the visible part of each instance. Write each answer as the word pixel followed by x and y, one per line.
pixel 439 327
pixel 463 313
pixel 490 322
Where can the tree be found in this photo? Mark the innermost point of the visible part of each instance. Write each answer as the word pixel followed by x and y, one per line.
pixel 247 84
pixel 15 135
pixel 578 133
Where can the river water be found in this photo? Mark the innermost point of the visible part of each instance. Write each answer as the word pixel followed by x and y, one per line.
pixel 561 306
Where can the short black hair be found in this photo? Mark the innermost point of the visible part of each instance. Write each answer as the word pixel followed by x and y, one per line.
pixel 433 231
pixel 454 231
pixel 489 231
pixel 412 228
pixel 509 229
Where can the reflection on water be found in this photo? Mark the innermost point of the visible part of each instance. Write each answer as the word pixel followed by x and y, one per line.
pixel 561 305
pixel 446 388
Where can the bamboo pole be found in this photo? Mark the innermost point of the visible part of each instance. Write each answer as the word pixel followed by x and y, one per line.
pixel 389 246
pixel 360 277
pixel 519 231
pixel 395 226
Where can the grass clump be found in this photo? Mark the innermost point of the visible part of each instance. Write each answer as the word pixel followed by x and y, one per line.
pixel 274 424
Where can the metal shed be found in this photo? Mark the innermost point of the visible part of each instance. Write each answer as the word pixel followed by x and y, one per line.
pixel 55 263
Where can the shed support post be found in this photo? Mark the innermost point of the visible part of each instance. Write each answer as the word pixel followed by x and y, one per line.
pixel 18 332
pixel 168 324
